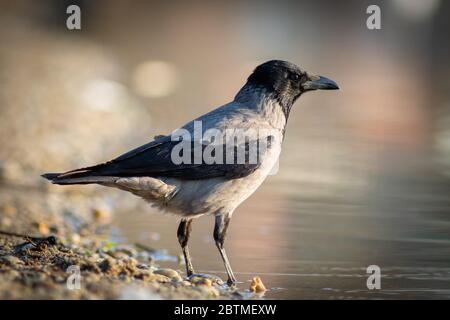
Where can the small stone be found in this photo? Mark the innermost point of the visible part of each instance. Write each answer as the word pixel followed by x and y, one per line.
pixel 101 215
pixel 14 274
pixel 120 255
pixel 158 278
pixel 93 260
pixel 43 228
pixel 201 281
pixel 143 275
pixel 75 238
pixel 209 291
pixel 198 278
pixel 132 262
pixel 92 277
pixel 107 264
pixel 128 250
pixel 11 260
pixel 170 273
pixel 257 285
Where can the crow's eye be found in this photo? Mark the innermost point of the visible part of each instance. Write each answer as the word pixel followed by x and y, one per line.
pixel 295 77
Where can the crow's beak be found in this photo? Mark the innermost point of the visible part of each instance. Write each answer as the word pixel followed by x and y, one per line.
pixel 319 83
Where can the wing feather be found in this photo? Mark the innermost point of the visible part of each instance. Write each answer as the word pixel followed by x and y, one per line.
pixel 154 159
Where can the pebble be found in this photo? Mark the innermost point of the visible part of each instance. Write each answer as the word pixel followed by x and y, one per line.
pixel 158 278
pixel 147 276
pixel 201 281
pixel 197 278
pixel 43 228
pixel 210 291
pixel 75 238
pixel 106 264
pixel 257 285
pixel 120 255
pixel 101 215
pixel 14 274
pixel 11 260
pixel 170 273
pixel 128 250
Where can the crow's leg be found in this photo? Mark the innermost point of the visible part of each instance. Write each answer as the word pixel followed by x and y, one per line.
pixel 184 230
pixel 220 232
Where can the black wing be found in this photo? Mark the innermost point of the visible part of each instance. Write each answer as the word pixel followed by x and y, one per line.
pixel 154 159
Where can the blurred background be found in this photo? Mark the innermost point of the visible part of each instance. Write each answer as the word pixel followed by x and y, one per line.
pixel 364 176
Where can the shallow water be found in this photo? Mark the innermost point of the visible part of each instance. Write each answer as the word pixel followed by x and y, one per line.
pixel 307 241
pixel 344 198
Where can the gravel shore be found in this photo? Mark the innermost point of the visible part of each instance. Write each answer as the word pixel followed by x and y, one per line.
pixel 83 263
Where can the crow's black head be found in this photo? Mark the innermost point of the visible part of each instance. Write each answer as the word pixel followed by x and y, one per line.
pixel 286 81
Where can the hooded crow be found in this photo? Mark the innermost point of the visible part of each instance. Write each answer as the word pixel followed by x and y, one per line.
pixel 178 177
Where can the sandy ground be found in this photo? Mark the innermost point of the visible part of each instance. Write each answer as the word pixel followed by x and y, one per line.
pixel 82 263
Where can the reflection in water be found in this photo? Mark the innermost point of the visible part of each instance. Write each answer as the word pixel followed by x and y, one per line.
pixel 308 240
pixel 357 186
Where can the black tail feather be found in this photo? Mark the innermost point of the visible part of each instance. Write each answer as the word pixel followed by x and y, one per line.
pixel 77 177
pixel 50 176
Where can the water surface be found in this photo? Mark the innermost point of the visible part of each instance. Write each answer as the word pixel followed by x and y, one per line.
pixel 315 241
